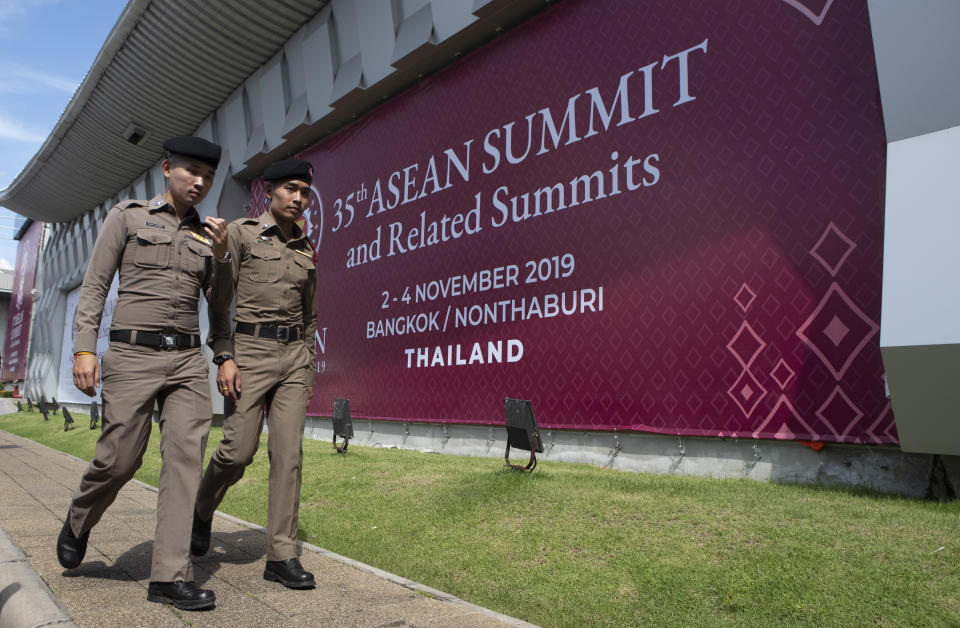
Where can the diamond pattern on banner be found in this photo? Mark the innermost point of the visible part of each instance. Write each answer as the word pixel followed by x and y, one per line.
pixel 782 374
pixel 839 410
pixel 746 345
pixel 885 423
pixel 832 249
pixel 747 393
pixel 816 10
pixel 784 433
pixel 745 297
pixel 837 331
pixel 782 416
pixel 258 198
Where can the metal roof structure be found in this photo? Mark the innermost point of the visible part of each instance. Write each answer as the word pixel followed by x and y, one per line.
pixel 165 66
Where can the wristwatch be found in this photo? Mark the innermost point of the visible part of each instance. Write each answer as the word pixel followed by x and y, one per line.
pixel 220 359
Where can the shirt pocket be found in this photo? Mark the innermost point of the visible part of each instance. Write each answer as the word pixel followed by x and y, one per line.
pixel 304 262
pixel 264 264
pixel 196 257
pixel 300 270
pixel 153 249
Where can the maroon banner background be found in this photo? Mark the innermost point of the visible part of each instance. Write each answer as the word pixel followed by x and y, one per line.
pixel 21 305
pixel 737 239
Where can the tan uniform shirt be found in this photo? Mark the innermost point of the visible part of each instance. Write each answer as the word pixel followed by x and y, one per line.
pixel 164 265
pixel 278 281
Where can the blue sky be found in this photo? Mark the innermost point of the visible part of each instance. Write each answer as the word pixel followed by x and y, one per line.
pixel 46 48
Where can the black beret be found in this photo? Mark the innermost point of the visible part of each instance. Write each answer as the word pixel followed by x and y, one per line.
pixel 195 147
pixel 289 169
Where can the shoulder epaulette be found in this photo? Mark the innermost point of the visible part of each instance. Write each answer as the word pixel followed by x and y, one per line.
pixel 130 203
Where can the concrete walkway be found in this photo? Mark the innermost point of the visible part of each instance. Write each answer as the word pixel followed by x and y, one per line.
pixel 109 588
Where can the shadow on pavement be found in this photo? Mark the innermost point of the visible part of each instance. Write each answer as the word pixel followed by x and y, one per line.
pixel 242 547
pixel 8 592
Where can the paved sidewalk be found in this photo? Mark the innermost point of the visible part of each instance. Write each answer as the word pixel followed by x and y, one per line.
pixel 109 588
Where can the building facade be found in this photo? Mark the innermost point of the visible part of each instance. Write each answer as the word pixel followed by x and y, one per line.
pixel 666 224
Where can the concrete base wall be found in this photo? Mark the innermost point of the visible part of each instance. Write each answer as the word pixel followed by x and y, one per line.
pixel 883 469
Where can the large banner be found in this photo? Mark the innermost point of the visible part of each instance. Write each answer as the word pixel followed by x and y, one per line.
pixel 21 305
pixel 659 216
pixel 66 390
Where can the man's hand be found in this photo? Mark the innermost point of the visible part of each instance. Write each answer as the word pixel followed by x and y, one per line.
pixel 309 395
pixel 228 380
pixel 86 374
pixel 216 228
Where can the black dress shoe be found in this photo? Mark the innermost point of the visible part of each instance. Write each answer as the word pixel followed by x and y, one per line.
pixel 289 573
pixel 200 535
pixel 183 595
pixel 70 549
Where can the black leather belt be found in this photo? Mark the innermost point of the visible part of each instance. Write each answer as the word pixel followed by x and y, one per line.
pixel 280 333
pixel 159 339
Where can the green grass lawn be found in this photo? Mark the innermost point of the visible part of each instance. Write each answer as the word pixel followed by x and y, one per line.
pixel 574 545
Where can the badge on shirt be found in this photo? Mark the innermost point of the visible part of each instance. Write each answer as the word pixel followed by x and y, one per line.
pixel 264 238
pixel 199 238
pixel 154 225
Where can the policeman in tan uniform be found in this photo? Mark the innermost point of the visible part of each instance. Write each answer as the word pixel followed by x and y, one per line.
pixel 166 257
pixel 270 362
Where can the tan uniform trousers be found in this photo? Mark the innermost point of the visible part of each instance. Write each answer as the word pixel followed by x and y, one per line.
pixel 132 378
pixel 276 375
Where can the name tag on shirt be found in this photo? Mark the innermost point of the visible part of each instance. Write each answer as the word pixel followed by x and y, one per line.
pixel 154 225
